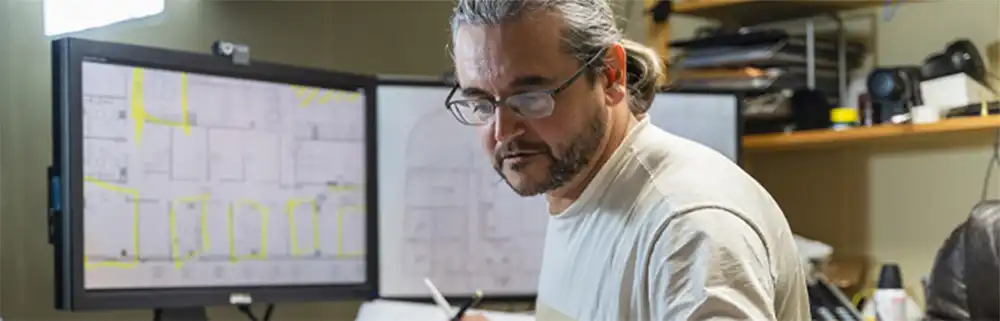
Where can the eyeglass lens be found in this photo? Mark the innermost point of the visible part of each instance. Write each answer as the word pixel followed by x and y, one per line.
pixel 529 105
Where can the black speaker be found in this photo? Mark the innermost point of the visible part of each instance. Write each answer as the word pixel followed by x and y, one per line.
pixel 961 56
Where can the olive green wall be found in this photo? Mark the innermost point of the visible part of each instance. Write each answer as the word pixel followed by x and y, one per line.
pixel 893 203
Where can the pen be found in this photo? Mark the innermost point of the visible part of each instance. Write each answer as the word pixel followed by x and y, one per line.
pixel 468 305
pixel 438 298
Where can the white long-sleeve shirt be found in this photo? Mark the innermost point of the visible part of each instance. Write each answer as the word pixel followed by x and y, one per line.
pixel 671 230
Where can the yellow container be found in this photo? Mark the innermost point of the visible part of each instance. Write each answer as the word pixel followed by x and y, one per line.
pixel 843 117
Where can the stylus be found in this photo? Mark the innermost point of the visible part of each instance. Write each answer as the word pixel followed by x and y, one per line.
pixel 438 298
pixel 478 297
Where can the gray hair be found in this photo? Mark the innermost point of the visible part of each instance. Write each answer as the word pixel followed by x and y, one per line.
pixel 589 26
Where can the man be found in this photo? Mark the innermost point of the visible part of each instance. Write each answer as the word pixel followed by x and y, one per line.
pixel 644 225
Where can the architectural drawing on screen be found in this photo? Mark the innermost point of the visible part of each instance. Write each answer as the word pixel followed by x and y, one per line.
pixel 462 223
pixel 195 180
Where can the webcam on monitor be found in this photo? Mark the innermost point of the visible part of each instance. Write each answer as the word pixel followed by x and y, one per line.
pixel 240 53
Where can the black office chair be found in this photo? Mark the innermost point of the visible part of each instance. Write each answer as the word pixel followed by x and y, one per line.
pixel 965 281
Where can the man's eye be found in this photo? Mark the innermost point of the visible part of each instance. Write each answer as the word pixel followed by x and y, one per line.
pixel 484 108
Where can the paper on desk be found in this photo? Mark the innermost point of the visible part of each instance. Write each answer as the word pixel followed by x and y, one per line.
pixel 386 310
pixel 812 249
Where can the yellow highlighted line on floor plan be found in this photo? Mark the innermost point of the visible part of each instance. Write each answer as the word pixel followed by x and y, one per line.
pixel 134 195
pixel 262 251
pixel 308 95
pixel 180 258
pixel 341 211
pixel 293 235
pixel 137 101
pixel 314 216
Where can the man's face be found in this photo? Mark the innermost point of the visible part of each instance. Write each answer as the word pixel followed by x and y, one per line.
pixel 533 156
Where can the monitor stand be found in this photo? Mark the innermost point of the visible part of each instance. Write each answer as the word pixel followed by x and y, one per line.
pixel 181 314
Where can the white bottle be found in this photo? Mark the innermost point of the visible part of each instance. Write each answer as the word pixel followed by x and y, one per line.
pixel 890 298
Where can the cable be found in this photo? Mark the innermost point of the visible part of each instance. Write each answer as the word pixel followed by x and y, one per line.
pixel 994 161
pixel 268 311
pixel 245 309
pixel 995 156
pixel 986 83
pixel 992 74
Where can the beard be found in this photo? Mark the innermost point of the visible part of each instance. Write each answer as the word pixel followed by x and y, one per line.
pixel 561 168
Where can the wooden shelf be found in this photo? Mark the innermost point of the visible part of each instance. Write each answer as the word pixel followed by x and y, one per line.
pixel 814 138
pixel 750 12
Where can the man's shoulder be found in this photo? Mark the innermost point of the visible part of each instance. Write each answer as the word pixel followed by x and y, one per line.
pixel 674 162
pixel 685 178
pixel 685 175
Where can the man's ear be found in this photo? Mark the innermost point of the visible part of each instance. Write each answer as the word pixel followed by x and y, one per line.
pixel 616 86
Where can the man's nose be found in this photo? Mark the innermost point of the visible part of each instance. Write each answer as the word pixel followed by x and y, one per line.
pixel 505 124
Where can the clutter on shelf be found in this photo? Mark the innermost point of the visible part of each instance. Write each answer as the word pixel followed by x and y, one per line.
pixel 771 67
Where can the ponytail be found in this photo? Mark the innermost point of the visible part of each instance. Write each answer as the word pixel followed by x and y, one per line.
pixel 643 68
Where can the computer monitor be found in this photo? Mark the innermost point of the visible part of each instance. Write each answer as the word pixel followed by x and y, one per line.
pixel 444 212
pixel 446 215
pixel 710 118
pixel 183 179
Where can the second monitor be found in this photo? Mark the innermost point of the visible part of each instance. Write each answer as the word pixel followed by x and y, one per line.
pixel 445 214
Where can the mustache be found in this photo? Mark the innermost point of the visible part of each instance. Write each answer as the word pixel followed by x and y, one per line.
pixel 504 150
pixel 508 149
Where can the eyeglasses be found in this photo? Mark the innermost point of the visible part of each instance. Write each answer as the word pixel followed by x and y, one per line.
pixel 532 105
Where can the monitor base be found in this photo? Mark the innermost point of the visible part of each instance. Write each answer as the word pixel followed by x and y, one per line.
pixel 181 314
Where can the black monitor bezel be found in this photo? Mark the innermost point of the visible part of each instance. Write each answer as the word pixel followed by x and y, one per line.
pixel 68 55
pixel 490 297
